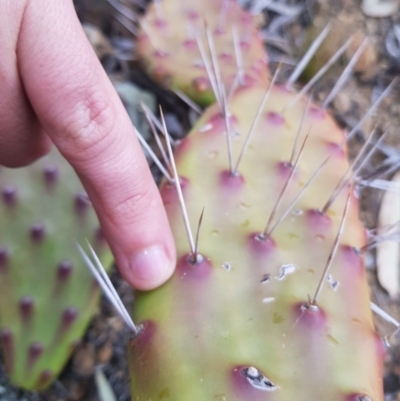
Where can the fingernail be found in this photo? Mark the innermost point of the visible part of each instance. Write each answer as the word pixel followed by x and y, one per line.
pixel 151 266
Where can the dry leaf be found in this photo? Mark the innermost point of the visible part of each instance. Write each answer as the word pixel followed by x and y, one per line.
pixel 388 252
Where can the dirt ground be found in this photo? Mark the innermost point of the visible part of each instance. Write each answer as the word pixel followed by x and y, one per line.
pixel 105 342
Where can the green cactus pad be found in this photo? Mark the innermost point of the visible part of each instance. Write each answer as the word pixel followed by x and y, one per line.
pixel 169 50
pixel 239 326
pixel 47 295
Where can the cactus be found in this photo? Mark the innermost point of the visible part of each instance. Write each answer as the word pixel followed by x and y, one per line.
pixel 46 296
pixel 172 50
pixel 240 325
pixel 275 304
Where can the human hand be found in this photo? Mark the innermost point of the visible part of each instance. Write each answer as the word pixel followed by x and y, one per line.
pixel 53 89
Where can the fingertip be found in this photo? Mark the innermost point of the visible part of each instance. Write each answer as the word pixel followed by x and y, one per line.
pixel 149 268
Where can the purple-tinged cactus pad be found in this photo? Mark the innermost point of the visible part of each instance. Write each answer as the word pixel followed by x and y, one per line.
pixel 172 33
pixel 47 295
pixel 245 328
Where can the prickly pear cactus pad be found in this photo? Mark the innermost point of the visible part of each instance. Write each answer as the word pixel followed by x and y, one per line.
pixel 245 322
pixel 47 295
pixel 181 42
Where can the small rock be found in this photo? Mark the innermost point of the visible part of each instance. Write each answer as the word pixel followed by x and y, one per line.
pixel 76 391
pixel 84 360
pixel 116 323
pixel 104 353
pixel 366 64
pixel 342 102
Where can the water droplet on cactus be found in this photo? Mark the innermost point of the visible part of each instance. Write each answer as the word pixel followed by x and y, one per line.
pixel 257 379
pixel 9 193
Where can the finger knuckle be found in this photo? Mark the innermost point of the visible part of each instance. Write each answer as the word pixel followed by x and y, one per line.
pixel 131 208
pixel 89 124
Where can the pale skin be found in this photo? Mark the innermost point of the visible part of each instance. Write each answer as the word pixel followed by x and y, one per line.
pixel 54 90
